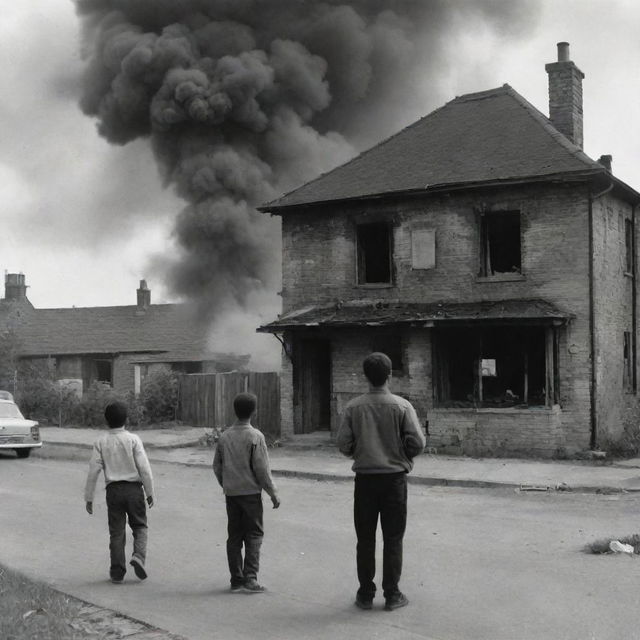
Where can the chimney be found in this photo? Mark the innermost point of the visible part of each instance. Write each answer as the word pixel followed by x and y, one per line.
pixel 565 95
pixel 605 161
pixel 14 286
pixel 144 296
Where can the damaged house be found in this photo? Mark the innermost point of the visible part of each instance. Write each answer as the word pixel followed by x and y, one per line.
pixel 490 258
pixel 117 345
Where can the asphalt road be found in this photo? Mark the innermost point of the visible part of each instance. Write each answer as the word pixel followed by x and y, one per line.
pixel 479 564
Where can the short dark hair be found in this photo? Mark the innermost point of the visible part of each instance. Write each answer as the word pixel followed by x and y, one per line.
pixel 244 404
pixel 116 414
pixel 377 367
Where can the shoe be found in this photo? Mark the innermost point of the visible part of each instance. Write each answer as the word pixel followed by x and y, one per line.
pixel 252 586
pixel 396 601
pixel 138 567
pixel 116 580
pixel 237 588
pixel 363 603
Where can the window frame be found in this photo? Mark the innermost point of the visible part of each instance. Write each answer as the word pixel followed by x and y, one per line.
pixel 485 268
pixel 361 266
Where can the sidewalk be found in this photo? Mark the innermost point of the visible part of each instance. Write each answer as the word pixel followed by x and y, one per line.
pixel 323 462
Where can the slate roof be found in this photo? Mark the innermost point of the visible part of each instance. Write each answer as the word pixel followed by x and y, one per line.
pixel 163 328
pixel 360 313
pixel 485 137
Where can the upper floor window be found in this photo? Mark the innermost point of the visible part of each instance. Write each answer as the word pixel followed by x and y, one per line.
pixel 374 253
pixel 628 245
pixel 500 243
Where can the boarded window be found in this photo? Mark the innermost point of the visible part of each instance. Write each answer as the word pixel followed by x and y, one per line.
pixel 500 243
pixel 374 253
pixel 423 248
pixel 495 366
pixel 628 243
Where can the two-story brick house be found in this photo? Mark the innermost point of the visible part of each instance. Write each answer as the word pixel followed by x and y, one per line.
pixel 490 257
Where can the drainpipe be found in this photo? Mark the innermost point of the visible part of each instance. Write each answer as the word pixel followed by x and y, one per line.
pixel 592 346
pixel 634 313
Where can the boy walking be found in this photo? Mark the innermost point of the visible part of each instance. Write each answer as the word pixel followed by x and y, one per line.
pixel 127 473
pixel 241 465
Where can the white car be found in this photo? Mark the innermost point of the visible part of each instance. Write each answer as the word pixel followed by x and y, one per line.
pixel 16 432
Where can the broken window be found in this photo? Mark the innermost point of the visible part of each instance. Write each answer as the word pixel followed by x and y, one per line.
pixel 628 242
pixel 628 362
pixel 495 366
pixel 374 253
pixel 391 345
pixel 500 243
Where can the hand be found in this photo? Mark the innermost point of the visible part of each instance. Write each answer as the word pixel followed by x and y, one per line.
pixel 89 507
pixel 150 501
pixel 275 501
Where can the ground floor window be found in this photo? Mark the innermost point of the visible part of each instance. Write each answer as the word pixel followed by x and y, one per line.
pixel 495 366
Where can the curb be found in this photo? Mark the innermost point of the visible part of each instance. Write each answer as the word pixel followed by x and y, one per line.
pixel 73 450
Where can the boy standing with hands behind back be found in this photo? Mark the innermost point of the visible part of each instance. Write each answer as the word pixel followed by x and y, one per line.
pixel 127 474
pixel 241 465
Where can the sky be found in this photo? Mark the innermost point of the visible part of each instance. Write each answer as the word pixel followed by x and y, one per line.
pixel 85 219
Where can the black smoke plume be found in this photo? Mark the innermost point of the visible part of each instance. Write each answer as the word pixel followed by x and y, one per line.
pixel 245 99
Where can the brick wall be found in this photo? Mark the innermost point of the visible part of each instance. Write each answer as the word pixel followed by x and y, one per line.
pixel 616 407
pixel 320 267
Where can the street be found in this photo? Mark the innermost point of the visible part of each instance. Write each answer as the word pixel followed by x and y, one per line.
pixel 479 564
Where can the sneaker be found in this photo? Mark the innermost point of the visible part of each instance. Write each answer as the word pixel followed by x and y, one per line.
pixel 363 603
pixel 252 586
pixel 396 601
pixel 138 567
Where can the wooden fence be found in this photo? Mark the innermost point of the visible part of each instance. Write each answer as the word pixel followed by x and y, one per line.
pixel 206 399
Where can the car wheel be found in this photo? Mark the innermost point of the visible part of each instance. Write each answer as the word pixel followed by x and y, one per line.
pixel 23 453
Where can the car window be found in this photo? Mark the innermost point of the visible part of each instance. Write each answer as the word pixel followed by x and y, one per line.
pixel 9 410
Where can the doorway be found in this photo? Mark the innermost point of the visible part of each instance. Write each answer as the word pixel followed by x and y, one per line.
pixel 314 366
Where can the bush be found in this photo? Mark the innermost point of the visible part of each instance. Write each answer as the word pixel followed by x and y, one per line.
pixel 91 408
pixel 159 397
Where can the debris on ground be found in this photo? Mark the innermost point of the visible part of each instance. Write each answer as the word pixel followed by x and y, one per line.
pixel 619 547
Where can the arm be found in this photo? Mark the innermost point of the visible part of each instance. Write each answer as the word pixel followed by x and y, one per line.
pixel 144 469
pixel 345 438
pixel 262 470
pixel 217 463
pixel 96 465
pixel 413 439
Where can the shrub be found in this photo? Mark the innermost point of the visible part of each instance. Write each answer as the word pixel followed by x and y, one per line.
pixel 159 396
pixel 91 407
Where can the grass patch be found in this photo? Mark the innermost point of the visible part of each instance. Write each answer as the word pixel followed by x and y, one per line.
pixel 602 545
pixel 32 611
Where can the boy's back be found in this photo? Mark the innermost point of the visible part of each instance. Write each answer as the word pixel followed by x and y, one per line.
pixel 241 461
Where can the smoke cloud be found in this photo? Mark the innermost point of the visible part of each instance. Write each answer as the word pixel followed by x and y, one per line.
pixel 245 99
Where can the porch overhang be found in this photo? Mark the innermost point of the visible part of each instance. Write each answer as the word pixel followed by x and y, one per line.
pixel 379 313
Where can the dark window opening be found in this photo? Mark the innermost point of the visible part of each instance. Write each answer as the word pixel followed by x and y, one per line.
pixel 391 345
pixel 104 371
pixel 374 253
pixel 500 243
pixel 628 242
pixel 186 367
pixel 495 367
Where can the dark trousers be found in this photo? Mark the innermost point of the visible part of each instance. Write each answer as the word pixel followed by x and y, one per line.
pixel 383 494
pixel 125 501
pixel 244 526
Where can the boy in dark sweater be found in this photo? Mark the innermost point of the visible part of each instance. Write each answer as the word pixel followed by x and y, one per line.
pixel 241 465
